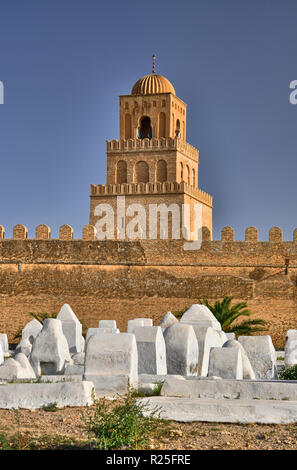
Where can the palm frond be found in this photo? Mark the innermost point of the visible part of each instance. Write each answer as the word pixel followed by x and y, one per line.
pixel 226 314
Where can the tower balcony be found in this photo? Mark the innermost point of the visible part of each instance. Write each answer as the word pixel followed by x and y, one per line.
pixel 128 189
pixel 154 144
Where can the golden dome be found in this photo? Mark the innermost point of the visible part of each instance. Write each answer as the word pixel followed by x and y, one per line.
pixel 152 84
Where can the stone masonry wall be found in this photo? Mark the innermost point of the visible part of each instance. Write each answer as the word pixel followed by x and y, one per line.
pixel 125 279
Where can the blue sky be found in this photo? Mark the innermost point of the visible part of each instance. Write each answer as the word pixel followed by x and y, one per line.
pixel 65 62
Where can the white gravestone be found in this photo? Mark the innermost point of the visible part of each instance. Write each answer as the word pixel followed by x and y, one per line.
pixel 247 370
pixel 17 368
pixel 225 363
pixel 24 346
pixel 199 314
pixel 182 350
pixel 207 338
pixel 50 352
pixel 4 342
pixel 31 330
pixel 72 328
pixel 132 324
pixel 291 348
pixel 111 363
pixel 100 331
pixel 151 350
pixel 107 324
pixel 168 320
pixel 1 354
pixel 261 354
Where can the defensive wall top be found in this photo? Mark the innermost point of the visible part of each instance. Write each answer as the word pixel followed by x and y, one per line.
pixel 66 232
pixel 89 250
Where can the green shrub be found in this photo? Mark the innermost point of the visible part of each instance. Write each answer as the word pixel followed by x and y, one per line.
pixel 5 442
pixel 288 373
pixel 157 389
pixel 41 316
pixel 179 313
pixel 25 441
pixel 17 441
pixel 122 425
pixel 50 407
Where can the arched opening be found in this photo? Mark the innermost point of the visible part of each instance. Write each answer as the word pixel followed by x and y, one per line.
pixel 188 174
pixel 181 171
pixel 161 171
pixel 193 178
pixel 121 172
pixel 162 125
pixel 145 128
pixel 177 129
pixel 142 172
pixel 128 127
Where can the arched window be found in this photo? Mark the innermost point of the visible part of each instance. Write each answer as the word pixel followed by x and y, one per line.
pixel 162 125
pixel 188 174
pixel 193 177
pixel 142 172
pixel 181 171
pixel 128 127
pixel 145 128
pixel 121 172
pixel 177 129
pixel 161 171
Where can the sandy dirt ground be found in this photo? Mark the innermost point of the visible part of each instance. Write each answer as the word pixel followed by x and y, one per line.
pixel 181 436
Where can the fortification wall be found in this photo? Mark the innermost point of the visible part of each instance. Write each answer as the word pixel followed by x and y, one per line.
pixel 124 279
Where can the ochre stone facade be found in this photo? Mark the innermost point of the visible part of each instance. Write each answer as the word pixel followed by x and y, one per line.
pixel 123 279
pixel 151 163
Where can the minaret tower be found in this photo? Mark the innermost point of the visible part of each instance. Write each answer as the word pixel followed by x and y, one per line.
pixel 152 163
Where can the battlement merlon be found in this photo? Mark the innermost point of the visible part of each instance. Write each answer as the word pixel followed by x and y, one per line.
pixel 43 232
pixel 126 189
pixel 150 145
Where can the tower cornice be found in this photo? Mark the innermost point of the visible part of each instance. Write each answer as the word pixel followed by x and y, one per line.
pixel 155 144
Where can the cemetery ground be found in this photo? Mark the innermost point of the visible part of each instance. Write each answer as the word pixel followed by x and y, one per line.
pixel 64 429
pixel 203 372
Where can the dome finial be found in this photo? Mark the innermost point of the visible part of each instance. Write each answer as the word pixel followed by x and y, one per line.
pixel 154 63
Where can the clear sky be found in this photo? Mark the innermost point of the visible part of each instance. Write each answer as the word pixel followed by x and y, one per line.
pixel 65 62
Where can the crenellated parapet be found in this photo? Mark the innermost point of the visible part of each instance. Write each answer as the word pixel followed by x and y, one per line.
pixel 66 232
pixel 89 232
pixel 149 189
pixel 20 232
pixel 252 235
pixel 43 232
pixel 86 249
pixel 154 144
pixel 275 235
pixel 227 234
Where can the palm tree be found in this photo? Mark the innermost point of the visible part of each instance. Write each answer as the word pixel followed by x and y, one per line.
pixel 227 314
